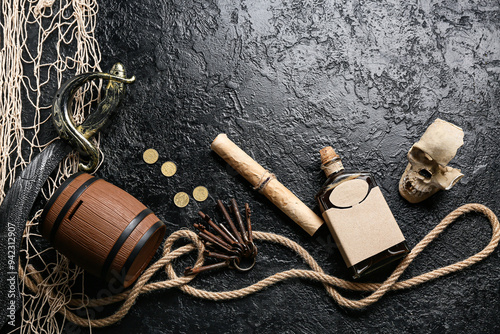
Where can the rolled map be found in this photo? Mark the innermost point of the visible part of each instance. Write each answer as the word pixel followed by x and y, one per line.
pixel 266 183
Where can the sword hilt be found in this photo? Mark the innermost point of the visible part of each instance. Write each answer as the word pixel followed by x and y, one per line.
pixel 78 136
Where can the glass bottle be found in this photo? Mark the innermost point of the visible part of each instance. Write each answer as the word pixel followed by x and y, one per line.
pixel 358 217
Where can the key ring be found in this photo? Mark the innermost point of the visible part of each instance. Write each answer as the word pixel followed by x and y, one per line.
pixel 236 266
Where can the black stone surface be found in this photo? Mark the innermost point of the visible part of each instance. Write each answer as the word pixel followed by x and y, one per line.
pixel 284 79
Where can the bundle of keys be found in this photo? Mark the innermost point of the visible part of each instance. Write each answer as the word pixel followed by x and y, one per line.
pixel 234 247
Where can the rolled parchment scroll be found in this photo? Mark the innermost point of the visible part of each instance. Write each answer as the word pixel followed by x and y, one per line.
pixel 266 183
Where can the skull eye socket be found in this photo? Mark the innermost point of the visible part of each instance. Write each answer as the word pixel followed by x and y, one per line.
pixel 420 156
pixel 425 173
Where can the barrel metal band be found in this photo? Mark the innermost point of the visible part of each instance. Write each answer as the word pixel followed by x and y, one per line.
pixel 121 240
pixel 68 205
pixel 137 249
pixel 54 197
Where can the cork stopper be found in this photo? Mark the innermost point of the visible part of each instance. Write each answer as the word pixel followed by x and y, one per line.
pixel 330 161
pixel 328 154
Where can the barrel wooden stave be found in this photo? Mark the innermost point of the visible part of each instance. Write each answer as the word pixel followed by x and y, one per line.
pixel 95 222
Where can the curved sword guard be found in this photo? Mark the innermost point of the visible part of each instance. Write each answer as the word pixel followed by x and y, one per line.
pixel 78 136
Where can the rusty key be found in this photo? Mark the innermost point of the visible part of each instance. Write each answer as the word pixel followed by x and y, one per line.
pixel 194 271
pixel 222 208
pixel 221 242
pixel 228 232
pixel 236 213
pixel 220 256
pixel 249 225
pixel 221 232
pixel 216 242
pixel 251 245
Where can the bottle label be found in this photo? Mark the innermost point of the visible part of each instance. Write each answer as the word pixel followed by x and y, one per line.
pixel 362 224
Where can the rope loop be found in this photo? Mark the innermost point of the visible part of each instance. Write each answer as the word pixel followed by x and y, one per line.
pixel 316 273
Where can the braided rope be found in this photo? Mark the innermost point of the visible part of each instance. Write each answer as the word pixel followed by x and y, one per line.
pixel 316 273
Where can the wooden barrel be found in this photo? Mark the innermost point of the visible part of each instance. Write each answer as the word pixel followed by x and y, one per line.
pixel 102 228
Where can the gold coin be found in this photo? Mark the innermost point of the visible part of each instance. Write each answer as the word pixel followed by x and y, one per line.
pixel 181 199
pixel 200 193
pixel 168 168
pixel 150 156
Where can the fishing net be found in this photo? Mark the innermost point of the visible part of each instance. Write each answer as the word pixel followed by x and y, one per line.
pixel 42 44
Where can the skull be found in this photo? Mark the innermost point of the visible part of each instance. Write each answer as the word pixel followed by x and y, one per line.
pixel 427 171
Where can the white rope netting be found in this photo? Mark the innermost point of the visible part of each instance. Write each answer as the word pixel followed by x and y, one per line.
pixel 42 43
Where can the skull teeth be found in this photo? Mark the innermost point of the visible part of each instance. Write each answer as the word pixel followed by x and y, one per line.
pixel 415 187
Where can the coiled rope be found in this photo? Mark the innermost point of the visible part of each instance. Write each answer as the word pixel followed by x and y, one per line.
pixel 32 279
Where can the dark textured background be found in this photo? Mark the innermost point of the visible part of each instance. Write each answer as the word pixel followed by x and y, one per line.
pixel 283 79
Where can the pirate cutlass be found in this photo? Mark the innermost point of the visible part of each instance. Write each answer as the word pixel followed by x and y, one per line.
pixel 16 207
